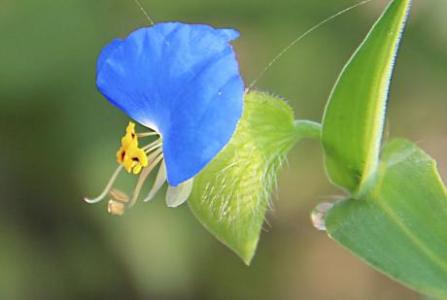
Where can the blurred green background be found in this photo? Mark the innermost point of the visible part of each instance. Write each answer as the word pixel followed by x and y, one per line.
pixel 59 136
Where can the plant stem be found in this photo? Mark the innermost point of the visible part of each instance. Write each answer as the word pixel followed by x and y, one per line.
pixel 308 129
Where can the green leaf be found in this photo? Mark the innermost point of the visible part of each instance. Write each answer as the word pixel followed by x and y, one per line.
pixel 354 117
pixel 399 227
pixel 231 195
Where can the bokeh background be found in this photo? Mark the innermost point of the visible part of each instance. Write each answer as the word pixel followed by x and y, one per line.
pixel 58 139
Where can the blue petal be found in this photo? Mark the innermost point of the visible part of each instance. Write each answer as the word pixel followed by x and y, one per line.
pixel 181 80
pixel 106 52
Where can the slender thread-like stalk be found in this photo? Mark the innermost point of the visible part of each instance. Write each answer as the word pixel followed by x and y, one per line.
pixel 106 189
pixel 154 159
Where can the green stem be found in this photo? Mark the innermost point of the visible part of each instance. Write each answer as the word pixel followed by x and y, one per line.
pixel 308 129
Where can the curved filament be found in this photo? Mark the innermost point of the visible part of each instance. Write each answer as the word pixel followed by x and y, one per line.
pixel 107 189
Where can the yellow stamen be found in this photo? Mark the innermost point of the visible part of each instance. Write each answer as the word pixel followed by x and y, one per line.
pixel 130 155
pixel 134 160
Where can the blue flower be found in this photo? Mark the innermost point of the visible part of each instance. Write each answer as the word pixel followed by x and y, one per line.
pixel 183 82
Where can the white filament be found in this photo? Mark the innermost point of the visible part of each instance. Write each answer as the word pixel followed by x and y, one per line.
pixel 106 189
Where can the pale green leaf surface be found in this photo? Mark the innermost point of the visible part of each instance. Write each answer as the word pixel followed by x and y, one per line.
pixel 400 226
pixel 231 195
pixel 354 117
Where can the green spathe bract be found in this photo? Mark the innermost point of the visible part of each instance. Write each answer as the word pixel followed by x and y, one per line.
pixel 231 195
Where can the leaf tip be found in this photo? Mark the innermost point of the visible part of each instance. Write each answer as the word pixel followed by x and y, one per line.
pixel 248 251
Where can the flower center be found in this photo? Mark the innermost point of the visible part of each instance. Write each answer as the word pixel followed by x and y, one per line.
pixel 130 156
pixel 137 160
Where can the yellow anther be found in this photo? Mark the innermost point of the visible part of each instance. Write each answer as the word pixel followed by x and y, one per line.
pixel 119 195
pixel 130 137
pixel 116 208
pixel 130 155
